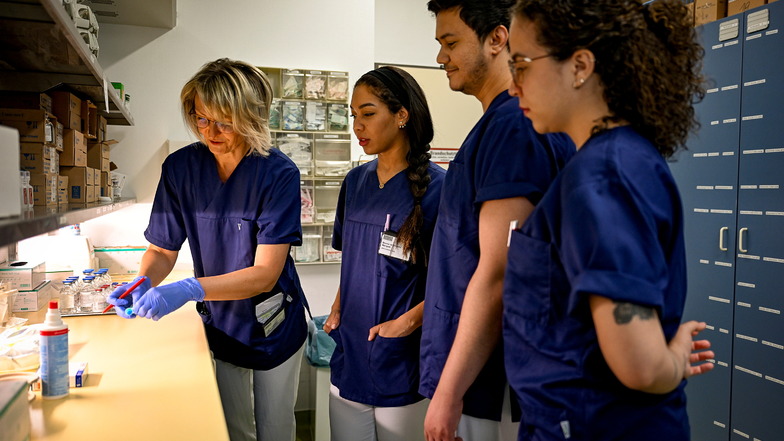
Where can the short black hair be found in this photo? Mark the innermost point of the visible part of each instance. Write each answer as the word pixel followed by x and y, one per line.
pixel 480 15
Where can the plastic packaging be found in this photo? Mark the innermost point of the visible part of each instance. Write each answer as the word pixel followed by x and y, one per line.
pixel 54 354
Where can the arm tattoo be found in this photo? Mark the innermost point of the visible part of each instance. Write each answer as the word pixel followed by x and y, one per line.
pixel 624 312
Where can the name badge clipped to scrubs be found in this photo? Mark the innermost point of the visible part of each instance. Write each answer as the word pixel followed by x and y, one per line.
pixel 389 245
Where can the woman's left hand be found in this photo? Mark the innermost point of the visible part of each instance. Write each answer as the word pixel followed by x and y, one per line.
pixel 399 327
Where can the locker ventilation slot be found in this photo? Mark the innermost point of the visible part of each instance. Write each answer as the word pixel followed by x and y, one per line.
pixel 757 21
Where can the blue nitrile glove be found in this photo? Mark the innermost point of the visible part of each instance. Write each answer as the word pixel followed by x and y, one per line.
pixel 165 299
pixel 122 304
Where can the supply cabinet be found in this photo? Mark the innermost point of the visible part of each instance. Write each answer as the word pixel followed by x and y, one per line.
pixel 309 122
pixel 731 180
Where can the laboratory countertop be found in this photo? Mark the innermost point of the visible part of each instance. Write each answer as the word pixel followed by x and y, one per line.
pixel 146 380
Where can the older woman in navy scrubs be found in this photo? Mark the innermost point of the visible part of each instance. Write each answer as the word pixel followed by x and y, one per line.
pixel 237 202
pixel 384 223
pixel 596 278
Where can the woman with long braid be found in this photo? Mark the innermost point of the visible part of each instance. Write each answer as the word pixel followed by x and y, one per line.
pixel 384 223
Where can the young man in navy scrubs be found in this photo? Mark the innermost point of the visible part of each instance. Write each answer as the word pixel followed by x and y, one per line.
pixel 502 169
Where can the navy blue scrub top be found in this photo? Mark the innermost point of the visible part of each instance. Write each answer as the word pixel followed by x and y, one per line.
pixel 223 222
pixel 375 288
pixel 502 157
pixel 610 225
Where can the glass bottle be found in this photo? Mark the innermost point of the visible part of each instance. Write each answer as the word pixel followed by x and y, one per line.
pixel 86 291
pixel 67 298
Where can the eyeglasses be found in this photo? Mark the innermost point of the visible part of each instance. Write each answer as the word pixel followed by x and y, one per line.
pixel 518 72
pixel 203 123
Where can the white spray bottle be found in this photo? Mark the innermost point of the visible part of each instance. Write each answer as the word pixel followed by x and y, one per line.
pixel 54 354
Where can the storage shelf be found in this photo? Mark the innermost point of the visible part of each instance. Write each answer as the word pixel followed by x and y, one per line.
pixel 42 220
pixel 41 49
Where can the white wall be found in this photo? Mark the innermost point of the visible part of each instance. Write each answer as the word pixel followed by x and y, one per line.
pixel 405 33
pixel 349 35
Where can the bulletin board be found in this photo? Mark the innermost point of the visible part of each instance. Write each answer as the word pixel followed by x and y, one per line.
pixel 454 113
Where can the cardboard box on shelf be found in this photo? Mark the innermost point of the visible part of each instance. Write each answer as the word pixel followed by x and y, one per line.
pixel 62 189
pixel 74 149
pixel 26 100
pixel 38 158
pixel 22 275
pixel 58 136
pixel 101 135
pixel 92 193
pixel 34 299
pixel 77 183
pixel 33 125
pixel 738 6
pixel 706 11
pixel 89 119
pixel 68 109
pixel 44 188
pixel 98 156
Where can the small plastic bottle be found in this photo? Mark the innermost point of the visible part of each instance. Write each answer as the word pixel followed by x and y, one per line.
pixel 54 354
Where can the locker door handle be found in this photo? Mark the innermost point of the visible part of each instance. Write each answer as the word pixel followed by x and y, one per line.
pixel 722 246
pixel 740 240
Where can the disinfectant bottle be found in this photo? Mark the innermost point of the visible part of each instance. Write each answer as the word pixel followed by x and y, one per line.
pixel 54 354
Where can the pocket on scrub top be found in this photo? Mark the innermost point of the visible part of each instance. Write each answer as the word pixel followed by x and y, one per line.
pixel 394 364
pixel 527 287
pixel 336 362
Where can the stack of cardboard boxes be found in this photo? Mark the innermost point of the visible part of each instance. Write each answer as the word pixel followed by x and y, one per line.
pixel 62 144
pixel 706 11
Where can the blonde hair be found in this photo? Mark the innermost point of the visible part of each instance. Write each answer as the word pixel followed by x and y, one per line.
pixel 232 90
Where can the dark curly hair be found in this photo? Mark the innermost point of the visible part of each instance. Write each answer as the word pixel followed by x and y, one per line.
pixel 419 129
pixel 647 58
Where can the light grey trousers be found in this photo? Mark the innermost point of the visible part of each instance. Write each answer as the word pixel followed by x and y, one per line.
pixel 259 405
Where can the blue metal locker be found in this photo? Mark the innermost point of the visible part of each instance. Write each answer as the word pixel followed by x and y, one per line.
pixel 707 176
pixel 758 358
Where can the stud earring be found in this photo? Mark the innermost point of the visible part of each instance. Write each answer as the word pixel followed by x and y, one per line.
pixel 579 83
pixel 402 125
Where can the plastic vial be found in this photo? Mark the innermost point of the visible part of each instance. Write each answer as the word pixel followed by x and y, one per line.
pixel 67 298
pixel 54 354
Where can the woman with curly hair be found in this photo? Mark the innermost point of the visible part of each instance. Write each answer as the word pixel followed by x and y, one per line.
pixel 596 279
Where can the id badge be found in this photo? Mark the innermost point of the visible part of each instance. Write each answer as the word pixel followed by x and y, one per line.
pixel 390 247
pixel 271 313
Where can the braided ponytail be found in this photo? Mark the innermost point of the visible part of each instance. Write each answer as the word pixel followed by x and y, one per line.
pixel 418 180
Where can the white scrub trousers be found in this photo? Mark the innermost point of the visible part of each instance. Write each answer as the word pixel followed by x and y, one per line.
pixel 352 421
pixel 478 429
pixel 259 405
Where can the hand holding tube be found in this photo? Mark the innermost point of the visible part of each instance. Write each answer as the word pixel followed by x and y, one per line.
pixel 119 297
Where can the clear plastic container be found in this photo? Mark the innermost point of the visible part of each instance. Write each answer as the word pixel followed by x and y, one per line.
pixel 315 85
pixel 292 83
pixel 337 117
pixel 311 241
